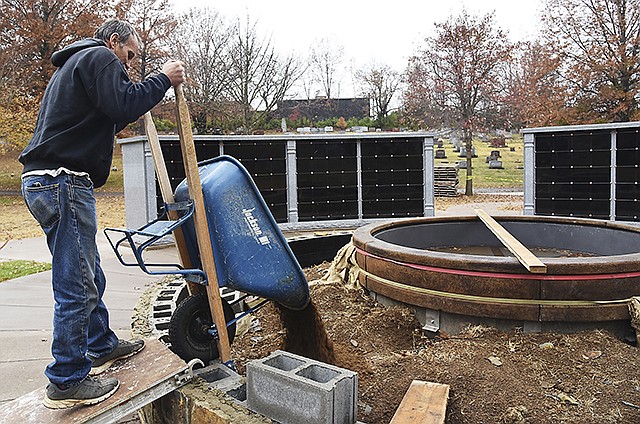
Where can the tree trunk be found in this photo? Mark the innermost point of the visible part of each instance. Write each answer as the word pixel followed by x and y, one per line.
pixel 468 189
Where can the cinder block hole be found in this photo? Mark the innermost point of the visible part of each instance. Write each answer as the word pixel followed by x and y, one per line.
pixel 239 393
pixel 215 374
pixel 284 363
pixel 318 373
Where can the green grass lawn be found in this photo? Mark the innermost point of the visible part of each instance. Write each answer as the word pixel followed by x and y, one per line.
pixel 15 269
pixel 511 176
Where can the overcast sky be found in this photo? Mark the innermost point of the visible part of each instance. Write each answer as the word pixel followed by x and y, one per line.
pixel 381 32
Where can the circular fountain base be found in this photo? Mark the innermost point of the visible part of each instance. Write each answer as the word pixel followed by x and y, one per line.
pixel 454 271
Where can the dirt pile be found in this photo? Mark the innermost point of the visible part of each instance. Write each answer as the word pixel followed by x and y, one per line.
pixel 588 377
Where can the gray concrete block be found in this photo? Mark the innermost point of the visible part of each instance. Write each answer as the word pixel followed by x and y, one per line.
pixel 219 376
pixel 495 164
pixel 292 389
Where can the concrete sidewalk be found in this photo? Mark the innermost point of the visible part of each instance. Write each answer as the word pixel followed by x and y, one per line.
pixel 26 310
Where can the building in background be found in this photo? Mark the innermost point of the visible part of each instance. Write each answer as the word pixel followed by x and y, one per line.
pixel 322 108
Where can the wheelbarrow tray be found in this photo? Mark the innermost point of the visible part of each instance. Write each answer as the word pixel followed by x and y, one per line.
pixel 250 252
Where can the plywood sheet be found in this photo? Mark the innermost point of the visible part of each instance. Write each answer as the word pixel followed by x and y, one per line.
pixel 138 375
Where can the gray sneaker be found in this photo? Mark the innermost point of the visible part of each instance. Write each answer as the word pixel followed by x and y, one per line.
pixel 124 349
pixel 89 391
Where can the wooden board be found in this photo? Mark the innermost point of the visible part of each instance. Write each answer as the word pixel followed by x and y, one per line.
pixel 201 225
pixel 167 195
pixel 138 376
pixel 524 255
pixel 424 403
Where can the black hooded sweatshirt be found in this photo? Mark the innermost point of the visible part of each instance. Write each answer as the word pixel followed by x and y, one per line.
pixel 89 98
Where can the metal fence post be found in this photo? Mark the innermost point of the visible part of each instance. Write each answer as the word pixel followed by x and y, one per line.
pixel 529 174
pixel 292 182
pixel 139 182
pixel 359 177
pixel 614 164
pixel 428 168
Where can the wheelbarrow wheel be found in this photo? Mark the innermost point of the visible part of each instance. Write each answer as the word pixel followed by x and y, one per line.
pixel 188 327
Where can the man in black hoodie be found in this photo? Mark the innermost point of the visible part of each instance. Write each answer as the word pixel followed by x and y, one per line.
pixel 88 100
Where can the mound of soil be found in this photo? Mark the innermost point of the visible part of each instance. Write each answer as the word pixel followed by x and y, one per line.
pixel 495 377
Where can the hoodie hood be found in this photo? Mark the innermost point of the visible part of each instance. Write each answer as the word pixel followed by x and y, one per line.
pixel 61 56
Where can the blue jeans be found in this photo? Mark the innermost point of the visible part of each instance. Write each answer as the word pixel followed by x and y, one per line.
pixel 65 208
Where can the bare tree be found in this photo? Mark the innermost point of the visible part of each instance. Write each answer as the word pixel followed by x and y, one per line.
pixel 599 44
pixel 30 32
pixel 536 94
pixel 326 56
pixel 457 74
pixel 259 77
pixel 202 42
pixel 155 22
pixel 307 84
pixel 379 83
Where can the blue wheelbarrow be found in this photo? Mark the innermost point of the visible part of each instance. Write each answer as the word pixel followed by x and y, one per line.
pixel 251 255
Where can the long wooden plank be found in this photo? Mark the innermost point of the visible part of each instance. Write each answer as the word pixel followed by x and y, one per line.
pixel 158 159
pixel 200 219
pixel 524 255
pixel 423 403
pixel 167 194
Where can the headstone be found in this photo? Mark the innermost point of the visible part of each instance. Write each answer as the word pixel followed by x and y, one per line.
pixel 495 164
pixel 498 142
pixel 441 154
pixel 495 155
pixel 463 152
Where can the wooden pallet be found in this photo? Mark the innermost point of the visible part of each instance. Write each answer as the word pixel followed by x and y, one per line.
pixel 445 181
pixel 445 192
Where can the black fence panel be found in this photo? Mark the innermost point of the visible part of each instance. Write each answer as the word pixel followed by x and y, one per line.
pixel 327 180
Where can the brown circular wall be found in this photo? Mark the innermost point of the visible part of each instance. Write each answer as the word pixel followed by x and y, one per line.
pixel 400 261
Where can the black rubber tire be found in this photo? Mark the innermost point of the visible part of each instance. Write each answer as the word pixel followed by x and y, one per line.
pixel 187 329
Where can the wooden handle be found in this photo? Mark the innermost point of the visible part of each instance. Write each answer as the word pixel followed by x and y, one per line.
pixel 167 195
pixel 200 219
pixel 158 159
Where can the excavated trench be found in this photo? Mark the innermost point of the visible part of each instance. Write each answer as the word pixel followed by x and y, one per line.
pixel 455 272
pixel 219 395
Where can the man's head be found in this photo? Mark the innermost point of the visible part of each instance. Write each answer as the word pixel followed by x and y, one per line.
pixel 121 38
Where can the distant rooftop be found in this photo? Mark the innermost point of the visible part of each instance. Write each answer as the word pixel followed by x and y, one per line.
pixel 323 108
